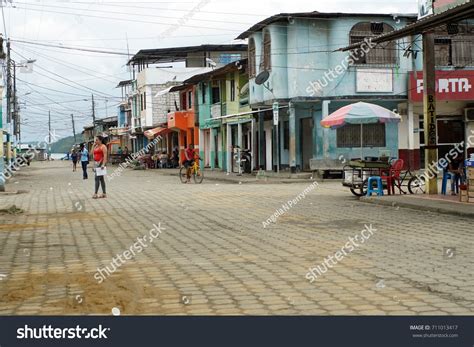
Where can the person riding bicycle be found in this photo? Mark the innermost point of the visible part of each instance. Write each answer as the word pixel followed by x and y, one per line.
pixel 188 163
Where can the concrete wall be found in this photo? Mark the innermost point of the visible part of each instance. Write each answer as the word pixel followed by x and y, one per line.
pixel 302 52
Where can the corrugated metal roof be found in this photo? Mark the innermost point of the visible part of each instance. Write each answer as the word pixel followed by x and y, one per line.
pixel 173 54
pixel 313 15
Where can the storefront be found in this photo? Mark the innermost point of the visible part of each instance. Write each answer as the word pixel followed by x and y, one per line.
pixel 455 116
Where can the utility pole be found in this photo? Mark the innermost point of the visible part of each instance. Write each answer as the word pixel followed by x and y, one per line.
pixel 93 115
pixel 16 116
pixel 9 102
pixel 49 142
pixel 430 120
pixel 73 128
pixel 2 163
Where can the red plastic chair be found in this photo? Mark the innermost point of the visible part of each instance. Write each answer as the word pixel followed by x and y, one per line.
pixel 393 175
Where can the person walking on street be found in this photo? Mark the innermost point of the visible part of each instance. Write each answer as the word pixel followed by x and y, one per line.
pixel 84 161
pixel 100 160
pixel 74 158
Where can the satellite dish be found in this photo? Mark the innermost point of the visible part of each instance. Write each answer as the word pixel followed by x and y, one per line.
pixel 262 77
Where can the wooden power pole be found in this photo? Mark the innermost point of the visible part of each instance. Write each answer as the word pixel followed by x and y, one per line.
pixel 73 128
pixel 430 121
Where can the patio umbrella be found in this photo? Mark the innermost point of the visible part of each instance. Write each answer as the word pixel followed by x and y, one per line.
pixel 360 113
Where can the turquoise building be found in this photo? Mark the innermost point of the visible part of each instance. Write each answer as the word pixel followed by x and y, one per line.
pixel 294 60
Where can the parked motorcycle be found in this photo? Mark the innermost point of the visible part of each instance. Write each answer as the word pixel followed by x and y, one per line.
pixel 243 159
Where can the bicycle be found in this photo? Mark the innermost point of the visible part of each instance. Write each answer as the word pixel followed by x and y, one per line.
pixel 414 183
pixel 196 172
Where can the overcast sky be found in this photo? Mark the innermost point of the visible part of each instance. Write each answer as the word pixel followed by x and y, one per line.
pixel 105 25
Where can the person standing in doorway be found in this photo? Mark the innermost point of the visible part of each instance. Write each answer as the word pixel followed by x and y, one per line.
pixel 100 160
pixel 74 158
pixel 84 161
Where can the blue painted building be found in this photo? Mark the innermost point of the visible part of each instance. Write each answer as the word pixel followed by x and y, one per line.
pixel 310 79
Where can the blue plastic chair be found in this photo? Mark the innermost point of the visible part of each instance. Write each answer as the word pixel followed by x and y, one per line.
pixel 454 182
pixel 371 189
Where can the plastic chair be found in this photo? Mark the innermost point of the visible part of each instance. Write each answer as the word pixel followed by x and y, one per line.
pixel 393 175
pixel 371 189
pixel 454 182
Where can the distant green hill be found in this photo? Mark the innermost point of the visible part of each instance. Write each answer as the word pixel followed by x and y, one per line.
pixel 63 146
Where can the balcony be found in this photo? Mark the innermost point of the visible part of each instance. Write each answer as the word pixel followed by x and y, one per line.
pixel 181 120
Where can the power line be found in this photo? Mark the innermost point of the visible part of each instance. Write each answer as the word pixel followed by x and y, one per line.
pixel 64 78
pixel 72 48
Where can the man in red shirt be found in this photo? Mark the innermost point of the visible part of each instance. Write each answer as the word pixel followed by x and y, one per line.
pixel 189 161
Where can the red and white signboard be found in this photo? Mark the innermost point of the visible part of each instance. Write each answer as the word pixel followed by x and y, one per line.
pixel 450 86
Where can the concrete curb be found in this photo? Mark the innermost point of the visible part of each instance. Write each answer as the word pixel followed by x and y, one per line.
pixel 246 180
pixel 415 206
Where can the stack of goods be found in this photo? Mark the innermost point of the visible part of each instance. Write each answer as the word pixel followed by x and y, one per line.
pixel 469 193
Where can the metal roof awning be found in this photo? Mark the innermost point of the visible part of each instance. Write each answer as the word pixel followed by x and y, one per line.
pixel 163 92
pixel 455 14
pixel 174 54
pixel 150 134
pixel 248 113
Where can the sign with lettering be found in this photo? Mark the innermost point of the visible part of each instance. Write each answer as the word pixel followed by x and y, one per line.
pixel 431 138
pixel 456 85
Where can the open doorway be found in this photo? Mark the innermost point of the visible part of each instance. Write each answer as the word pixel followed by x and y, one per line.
pixel 306 136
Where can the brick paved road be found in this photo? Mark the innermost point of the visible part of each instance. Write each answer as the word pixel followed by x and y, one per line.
pixel 214 257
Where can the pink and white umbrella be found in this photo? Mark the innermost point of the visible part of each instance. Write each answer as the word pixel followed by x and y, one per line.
pixel 360 113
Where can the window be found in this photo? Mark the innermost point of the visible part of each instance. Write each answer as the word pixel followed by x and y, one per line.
pixel 267 52
pixel 183 101
pixel 454 45
pixel 232 90
pixel 190 100
pixel 144 100
pixel 286 135
pixel 443 55
pixel 216 93
pixel 141 102
pixel 252 59
pixel 384 53
pixel 203 93
pixel 216 96
pixel 349 136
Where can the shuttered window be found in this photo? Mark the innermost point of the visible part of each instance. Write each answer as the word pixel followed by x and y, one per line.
pixel 454 45
pixel 383 54
pixel 252 59
pixel 267 51
pixel 349 136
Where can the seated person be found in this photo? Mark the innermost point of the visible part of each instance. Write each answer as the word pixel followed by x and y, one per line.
pixel 456 169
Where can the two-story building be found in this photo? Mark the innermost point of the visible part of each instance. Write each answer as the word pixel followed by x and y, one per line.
pixel 293 61
pixel 154 96
pixel 225 117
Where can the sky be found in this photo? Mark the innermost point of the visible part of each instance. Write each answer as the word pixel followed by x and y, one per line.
pixel 63 81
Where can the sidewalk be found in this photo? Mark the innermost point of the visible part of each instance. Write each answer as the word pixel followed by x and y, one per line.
pixel 444 205
pixel 266 178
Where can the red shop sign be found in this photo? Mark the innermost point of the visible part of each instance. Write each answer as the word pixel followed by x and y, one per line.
pixel 450 86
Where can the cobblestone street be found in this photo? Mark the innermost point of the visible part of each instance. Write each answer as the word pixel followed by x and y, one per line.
pixel 214 256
